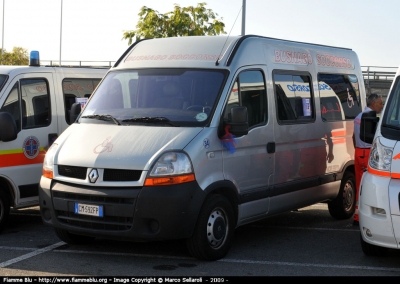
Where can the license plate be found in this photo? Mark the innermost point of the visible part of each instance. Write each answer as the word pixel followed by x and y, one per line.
pixel 87 209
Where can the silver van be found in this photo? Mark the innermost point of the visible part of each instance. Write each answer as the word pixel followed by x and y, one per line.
pixel 191 137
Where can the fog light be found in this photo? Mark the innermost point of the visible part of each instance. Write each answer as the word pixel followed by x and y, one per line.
pixel 368 232
pixel 46 214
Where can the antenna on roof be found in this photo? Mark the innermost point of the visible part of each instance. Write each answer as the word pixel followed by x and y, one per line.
pixel 244 18
pixel 217 62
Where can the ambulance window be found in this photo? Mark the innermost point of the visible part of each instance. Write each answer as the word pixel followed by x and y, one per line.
pixel 293 94
pixel 12 105
pixel 339 97
pixel 77 90
pixel 249 91
pixel 35 103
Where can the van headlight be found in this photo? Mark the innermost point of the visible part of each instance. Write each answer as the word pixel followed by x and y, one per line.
pixel 171 168
pixel 380 157
pixel 48 163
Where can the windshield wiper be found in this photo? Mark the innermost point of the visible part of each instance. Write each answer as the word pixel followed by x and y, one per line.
pixel 150 119
pixel 105 117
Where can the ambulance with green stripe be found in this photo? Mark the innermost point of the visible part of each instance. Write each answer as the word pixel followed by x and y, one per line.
pixel 35 105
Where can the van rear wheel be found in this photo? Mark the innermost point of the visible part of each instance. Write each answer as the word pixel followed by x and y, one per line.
pixel 372 250
pixel 343 206
pixel 73 239
pixel 4 209
pixel 213 233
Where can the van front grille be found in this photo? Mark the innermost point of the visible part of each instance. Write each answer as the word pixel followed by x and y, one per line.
pixel 109 174
pixel 72 172
pixel 121 175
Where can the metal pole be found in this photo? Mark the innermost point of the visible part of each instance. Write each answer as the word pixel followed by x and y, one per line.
pixel 2 37
pixel 244 18
pixel 61 30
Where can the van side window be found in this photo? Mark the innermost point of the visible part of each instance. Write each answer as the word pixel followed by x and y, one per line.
pixel 249 91
pixel 77 90
pixel 293 94
pixel 340 96
pixel 33 108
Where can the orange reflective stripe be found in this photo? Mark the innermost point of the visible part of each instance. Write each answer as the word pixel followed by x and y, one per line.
pixel 338 132
pixel 378 173
pixel 19 159
pixel 395 175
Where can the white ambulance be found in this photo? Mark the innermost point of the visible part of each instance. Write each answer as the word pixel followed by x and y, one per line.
pixel 379 200
pixel 35 103
pixel 191 137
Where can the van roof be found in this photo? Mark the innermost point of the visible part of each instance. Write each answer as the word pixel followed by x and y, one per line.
pixel 205 50
pixel 8 69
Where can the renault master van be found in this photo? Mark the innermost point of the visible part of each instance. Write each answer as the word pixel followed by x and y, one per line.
pixel 379 200
pixel 35 104
pixel 191 137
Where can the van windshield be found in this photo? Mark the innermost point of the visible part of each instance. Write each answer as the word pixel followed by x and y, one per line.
pixel 3 79
pixel 391 118
pixel 173 97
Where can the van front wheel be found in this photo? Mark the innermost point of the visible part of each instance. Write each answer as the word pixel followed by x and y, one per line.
pixel 213 233
pixel 4 209
pixel 343 206
pixel 73 239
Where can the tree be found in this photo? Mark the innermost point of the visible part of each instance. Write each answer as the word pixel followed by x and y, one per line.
pixel 18 56
pixel 186 21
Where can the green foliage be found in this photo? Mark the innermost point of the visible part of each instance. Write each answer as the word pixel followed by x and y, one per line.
pixel 18 56
pixel 186 21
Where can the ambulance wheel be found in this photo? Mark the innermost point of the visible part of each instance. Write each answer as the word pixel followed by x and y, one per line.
pixel 213 233
pixel 4 209
pixel 73 239
pixel 372 250
pixel 343 206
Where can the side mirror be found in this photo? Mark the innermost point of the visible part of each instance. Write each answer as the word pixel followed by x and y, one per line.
pixel 8 127
pixel 75 112
pixel 369 121
pixel 238 121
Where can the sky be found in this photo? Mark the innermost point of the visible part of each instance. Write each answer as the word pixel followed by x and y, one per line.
pixel 92 30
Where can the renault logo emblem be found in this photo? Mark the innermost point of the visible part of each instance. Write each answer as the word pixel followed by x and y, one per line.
pixel 93 175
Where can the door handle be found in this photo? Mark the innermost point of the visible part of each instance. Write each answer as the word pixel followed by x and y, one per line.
pixel 271 147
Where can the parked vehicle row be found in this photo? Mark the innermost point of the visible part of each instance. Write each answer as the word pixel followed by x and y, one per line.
pixel 192 137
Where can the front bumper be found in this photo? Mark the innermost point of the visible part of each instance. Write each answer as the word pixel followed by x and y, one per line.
pixel 138 213
pixel 378 211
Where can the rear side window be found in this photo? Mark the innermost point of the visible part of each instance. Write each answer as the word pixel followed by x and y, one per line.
pixel 294 97
pixel 340 97
pixel 77 91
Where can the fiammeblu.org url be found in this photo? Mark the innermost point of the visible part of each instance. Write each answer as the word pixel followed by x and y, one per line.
pixel 71 280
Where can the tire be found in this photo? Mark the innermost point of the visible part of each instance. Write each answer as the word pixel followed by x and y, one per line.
pixel 372 250
pixel 344 205
pixel 213 234
pixel 4 209
pixel 73 239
